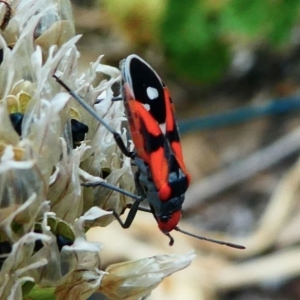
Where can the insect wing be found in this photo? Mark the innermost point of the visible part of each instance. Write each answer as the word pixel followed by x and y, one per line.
pixel 172 133
pixel 145 109
pixel 151 118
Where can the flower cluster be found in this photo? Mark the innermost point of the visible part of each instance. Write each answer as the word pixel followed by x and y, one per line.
pixel 49 145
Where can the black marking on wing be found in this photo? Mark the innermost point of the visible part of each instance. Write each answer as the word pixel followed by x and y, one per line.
pixel 151 142
pixel 173 136
pixel 142 77
pixel 178 181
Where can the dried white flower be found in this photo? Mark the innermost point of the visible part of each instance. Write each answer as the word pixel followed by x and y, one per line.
pixel 136 279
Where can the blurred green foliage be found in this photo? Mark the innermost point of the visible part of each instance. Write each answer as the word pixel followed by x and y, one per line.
pixel 191 37
pixel 198 35
pixel 261 19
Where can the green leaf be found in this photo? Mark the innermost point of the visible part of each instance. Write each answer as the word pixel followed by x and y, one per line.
pixel 260 20
pixel 27 287
pixel 284 16
pixel 246 18
pixel 38 293
pixel 190 35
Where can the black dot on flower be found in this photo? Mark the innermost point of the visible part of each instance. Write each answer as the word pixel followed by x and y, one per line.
pixel 79 130
pixel 16 120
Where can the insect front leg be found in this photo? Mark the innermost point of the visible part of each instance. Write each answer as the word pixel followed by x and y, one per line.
pixel 138 186
pixel 134 207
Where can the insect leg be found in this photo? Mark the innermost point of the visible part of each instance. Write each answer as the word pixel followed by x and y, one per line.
pixel 114 188
pixel 131 215
pixel 138 185
pixel 133 207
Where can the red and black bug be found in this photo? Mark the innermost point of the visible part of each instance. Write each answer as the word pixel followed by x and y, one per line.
pixel 162 173
pixel 162 177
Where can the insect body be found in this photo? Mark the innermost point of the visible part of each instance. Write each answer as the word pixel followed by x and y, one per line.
pixel 162 177
pixel 162 172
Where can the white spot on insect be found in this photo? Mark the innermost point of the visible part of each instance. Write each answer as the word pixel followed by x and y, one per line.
pixel 152 93
pixel 147 106
pixel 163 128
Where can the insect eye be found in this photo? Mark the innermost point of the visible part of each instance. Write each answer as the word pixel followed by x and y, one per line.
pixel 164 219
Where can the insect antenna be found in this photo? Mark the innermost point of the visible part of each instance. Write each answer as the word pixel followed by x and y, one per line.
pixel 88 108
pixel 113 188
pixel 236 246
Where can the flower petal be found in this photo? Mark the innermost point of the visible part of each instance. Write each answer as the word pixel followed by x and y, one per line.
pixel 136 279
